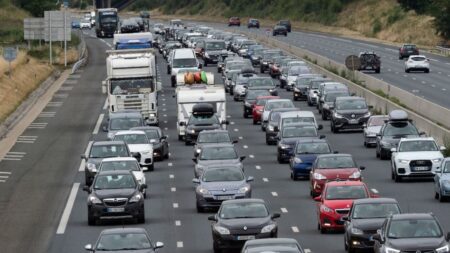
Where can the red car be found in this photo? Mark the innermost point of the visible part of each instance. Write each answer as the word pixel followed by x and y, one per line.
pixel 234 21
pixel 336 201
pixel 258 107
pixel 332 167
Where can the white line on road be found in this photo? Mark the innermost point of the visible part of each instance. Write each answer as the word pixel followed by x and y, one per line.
pixel 170 164
pixel 274 194
pixel 307 250
pixel 5 172
pixel 374 190
pixel 236 129
pixel 173 189
pixel 66 88
pixel 37 125
pixel 258 167
pixel 265 179
pixel 98 124
pixel 171 176
pixel 68 209
pixel 251 156
pixel 54 104
pixel 26 139
pixel 175 205
pixel 105 105
pixel 245 146
pixel 240 137
pixel 4 177
pixel 283 210
pixel 295 229
pixel 2 181
pixel 177 223
pixel 179 244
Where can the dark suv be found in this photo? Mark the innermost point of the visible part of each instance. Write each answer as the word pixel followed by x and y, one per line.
pixel 349 113
pixel 369 61
pixel 407 50
pixel 285 23
pixel 398 126
pixel 266 59
pixel 253 23
pixel 412 232
pixel 213 51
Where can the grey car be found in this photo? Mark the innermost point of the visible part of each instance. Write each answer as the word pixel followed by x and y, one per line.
pixel 442 181
pixel 206 137
pixel 372 128
pixel 219 183
pixel 213 154
pixel 285 245
pixel 124 240
pixel 119 121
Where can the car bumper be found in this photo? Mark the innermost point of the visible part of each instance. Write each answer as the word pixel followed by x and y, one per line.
pixel 371 140
pixel 271 136
pixel 346 124
pixel 232 241
pixel 214 201
pixel 332 221
pixel 286 153
pixel 361 241
pixel 256 116
pixel 408 171
pixel 131 210
pixel 299 94
pixel 189 137
pixel 301 169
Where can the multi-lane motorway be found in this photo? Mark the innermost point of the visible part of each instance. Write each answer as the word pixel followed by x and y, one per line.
pixel 43 207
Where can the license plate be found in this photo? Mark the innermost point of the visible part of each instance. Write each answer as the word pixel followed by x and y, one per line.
pixel 421 168
pixel 224 197
pixel 245 237
pixel 353 121
pixel 368 67
pixel 116 209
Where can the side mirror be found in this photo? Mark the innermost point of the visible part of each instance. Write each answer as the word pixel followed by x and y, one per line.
pixel 212 218
pixel 142 187
pixel 345 218
pixel 164 137
pixel 194 160
pixel 276 129
pixel 105 128
pixel 200 66
pixel 235 141
pixel 250 179
pixel 196 181
pixel 322 137
pixel 275 215
pixel 447 237
pixel 362 167
pixel 423 134
pixel 320 127
pixel 335 152
pixel 89 247
pixel 393 150
pixel 83 156
pixel 370 107
pixel 104 87
pixel 242 158
pixel 318 198
pixel 159 245
pixel 376 237
pixel 226 122
pixel 182 123
pixel 87 189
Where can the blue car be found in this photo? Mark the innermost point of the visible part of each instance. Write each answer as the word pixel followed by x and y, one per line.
pixel 305 153
pixel 75 24
pixel 442 181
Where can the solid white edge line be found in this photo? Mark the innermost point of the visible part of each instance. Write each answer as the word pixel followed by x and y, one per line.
pixel 99 122
pixel 68 209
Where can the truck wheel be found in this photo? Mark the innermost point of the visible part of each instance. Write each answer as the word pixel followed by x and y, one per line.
pixel 151 167
pixel 377 71
pixel 180 137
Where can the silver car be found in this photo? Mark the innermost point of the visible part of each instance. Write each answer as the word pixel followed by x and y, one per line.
pixel 214 154
pixel 372 128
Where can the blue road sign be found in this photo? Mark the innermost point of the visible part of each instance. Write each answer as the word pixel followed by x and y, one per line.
pixel 9 53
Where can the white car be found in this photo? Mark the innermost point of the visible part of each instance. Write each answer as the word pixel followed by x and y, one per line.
pixel 417 63
pixel 416 157
pixel 138 142
pixel 124 163
pixel 85 24
pixel 273 104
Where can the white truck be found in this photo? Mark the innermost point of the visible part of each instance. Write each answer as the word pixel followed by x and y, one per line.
pixel 189 95
pixel 131 82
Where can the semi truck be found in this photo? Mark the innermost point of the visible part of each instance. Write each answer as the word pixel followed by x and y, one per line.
pixel 106 22
pixel 131 82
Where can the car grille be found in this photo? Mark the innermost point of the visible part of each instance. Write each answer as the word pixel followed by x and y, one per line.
pixel 370 232
pixel 342 211
pixel 112 202
pixel 417 251
pixel 249 231
pixel 356 115
pixel 420 165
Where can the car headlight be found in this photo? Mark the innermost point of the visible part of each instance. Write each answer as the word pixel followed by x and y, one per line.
pixel 221 230
pixel 367 114
pixel 191 131
pixel 110 135
pixel 206 55
pixel 152 115
pixel 284 146
pixel 403 161
pixel 244 189
pixel 337 115
pixel 356 231
pixel 136 198
pixel 94 200
pixel 202 190
pixel 355 175
pixel 91 167
pixel 260 111
pixel 247 104
pixel 270 128
pixel 319 176
pixel 391 250
pixel 443 249
pixel 146 152
pixel 268 228
pixel 271 90
pixel 325 209
pixel 198 151
pixel 297 160
pixel 437 160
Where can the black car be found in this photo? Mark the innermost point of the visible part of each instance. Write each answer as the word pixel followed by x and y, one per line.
pixel 115 195
pixel 213 51
pixel 398 126
pixel 253 23
pixel 300 88
pixel 263 83
pixel 100 150
pixel 250 99
pixel 272 124
pixel 202 118
pixel 328 102
pixel 240 220
pixel 279 30
pixel 158 140
pixel 129 26
pixel 349 113
pixel 369 61
pixel 266 59
pixel 124 240
pixel 412 232
pixel 365 217
pixel 285 23
pixel 406 50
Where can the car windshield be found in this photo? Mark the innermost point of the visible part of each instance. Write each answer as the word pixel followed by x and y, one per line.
pixel 446 168
pixel 243 210
pixel 201 120
pixel 260 82
pixel 104 151
pixel 330 97
pixel 219 45
pixel 184 63
pixel 376 121
pixel 120 181
pixel 213 138
pixel 374 210
pixel 119 165
pixel 218 153
pixel 418 58
pixel 122 241
pixel 152 134
pixel 409 47
pixel 132 138
pixel 275 116
pixel 262 102
pixel 303 131
pixel 295 120
pixel 400 129
pixel 351 104
pixel 314 84
pixel 346 192
pixel 417 146
pixel 303 81
pixel 221 175
pixel 298 70
pixel 414 228
pixel 279 104
pixel 124 123
pixel 312 148
pixel 335 162
pixel 253 94
pixel 237 66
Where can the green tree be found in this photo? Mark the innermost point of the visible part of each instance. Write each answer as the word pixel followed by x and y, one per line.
pixel 441 10
pixel 37 7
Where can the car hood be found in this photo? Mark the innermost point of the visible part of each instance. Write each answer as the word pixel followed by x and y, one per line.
pixel 138 175
pixel 368 224
pixel 217 52
pixel 129 251
pixel 307 158
pixel 360 111
pixel 199 128
pixel 445 176
pixel 293 140
pixel 413 244
pixel 140 147
pixel 248 222
pixel 396 139
pixel 95 161
pixel 419 155
pixel 211 162
pixel 115 193
pixel 339 204
pixel 373 129
pixel 221 186
pixel 342 173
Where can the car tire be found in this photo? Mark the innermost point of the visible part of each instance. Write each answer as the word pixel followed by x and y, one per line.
pixel 168 70
pixel 205 63
pixel 285 34
pixel 91 219
pixel 200 209
pixel 268 141
pixel 295 98
pixel 436 195
pixel 427 71
pixel 216 249
pixel 166 156
pixel 255 122
pixel 442 198
pixel 245 115
pixel 377 71
pixel 406 70
pixel 324 116
pixel 383 155
pixel 400 57
pixel 322 229
pixel 180 137
pixel 309 102
pixel 151 167
pixel 280 161
pixel 397 178
pixel 351 250
pixel 141 217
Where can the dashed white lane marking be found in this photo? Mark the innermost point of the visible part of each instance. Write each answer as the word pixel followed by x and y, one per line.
pixel 170 164
pixel 69 81
pixel 164 104
pixel 240 137
pixel 423 82
pixel 26 139
pixel 228 116
pixel 5 172
pixel 177 223
pixel 258 167
pixel 163 99
pixel 74 76
pixel 61 95
pixel 440 73
pixel 14 156
pixel 165 121
pixel 164 109
pixel 179 244
pixel 236 129
pixel 86 153
pixel 165 115
pixel 232 123
pixel 444 89
pixel 175 205
pixel 251 156
pixel 68 209
pixel 36 125
pixel 105 105
pixel 295 229
pixel 414 78
pixel 274 194
pixel 171 176
pixel 66 88
pixel 307 250
pixel 54 104
pixel 265 179
pixel 283 210
pixel 99 122
pixel 173 189
pixel 396 73
pixel 245 146
pixel 434 86
pixel 166 128
pixel 47 114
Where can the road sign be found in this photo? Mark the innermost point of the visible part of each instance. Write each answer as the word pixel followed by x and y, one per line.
pixel 66 3
pixel 54 25
pixel 9 53
pixel 352 62
pixel 33 28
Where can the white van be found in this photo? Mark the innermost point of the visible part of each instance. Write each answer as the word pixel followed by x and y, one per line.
pixel 182 58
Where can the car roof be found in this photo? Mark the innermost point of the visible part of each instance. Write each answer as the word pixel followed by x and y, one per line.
pixel 123 230
pixel 125 114
pixel 114 172
pixel 375 201
pixel 278 100
pixel 350 98
pixel 104 143
pixel 334 155
pixel 312 141
pixel 285 110
pixel 407 216
pixel 216 145
pixel 214 131
pixel 297 113
pixel 417 139
pixel 270 241
pixel 124 132
pixel 266 97
pixel 119 159
pixel 249 200
pixel 346 182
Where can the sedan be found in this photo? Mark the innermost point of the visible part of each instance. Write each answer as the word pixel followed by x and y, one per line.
pixel 279 30
pixel 124 240
pixel 240 220
pixel 214 154
pixel 220 183
pixel 442 181
pixel 285 245
pixel 253 23
pixel 372 128
pixel 250 99
pixel 304 155
pixel 417 63
pixel 138 144
pixel 206 137
pixel 158 140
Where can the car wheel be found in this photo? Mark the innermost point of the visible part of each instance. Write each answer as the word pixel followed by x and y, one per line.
pixel 351 249
pixel 261 70
pixel 168 70
pixel 200 209
pixel 427 71
pixel 441 198
pixel 245 115
pixel 377 154
pixel 151 167
pixel 91 219
pixel 400 57
pixel 345 244
pixel 397 178
pixel 295 98
pixel 285 34
pixel 279 159
pixel 322 229
pixel 205 63
pixel 141 217
pixel 309 103
pixel 377 71
pixel 255 122
pixel 324 116
pixel 166 156
pixel 436 195
pixel 383 155
pixel 216 249
pixel 268 141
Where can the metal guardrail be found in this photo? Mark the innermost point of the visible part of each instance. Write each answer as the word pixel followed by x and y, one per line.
pixel 82 57
pixel 443 50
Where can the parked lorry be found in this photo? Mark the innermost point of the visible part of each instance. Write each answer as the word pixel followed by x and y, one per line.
pixel 131 82
pixel 133 40
pixel 106 22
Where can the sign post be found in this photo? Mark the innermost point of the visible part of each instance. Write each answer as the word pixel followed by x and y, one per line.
pixel 9 54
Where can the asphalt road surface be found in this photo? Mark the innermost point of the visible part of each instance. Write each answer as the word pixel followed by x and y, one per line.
pixel 43 207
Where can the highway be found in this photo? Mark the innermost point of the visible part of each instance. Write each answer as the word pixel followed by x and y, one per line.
pixel 43 207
